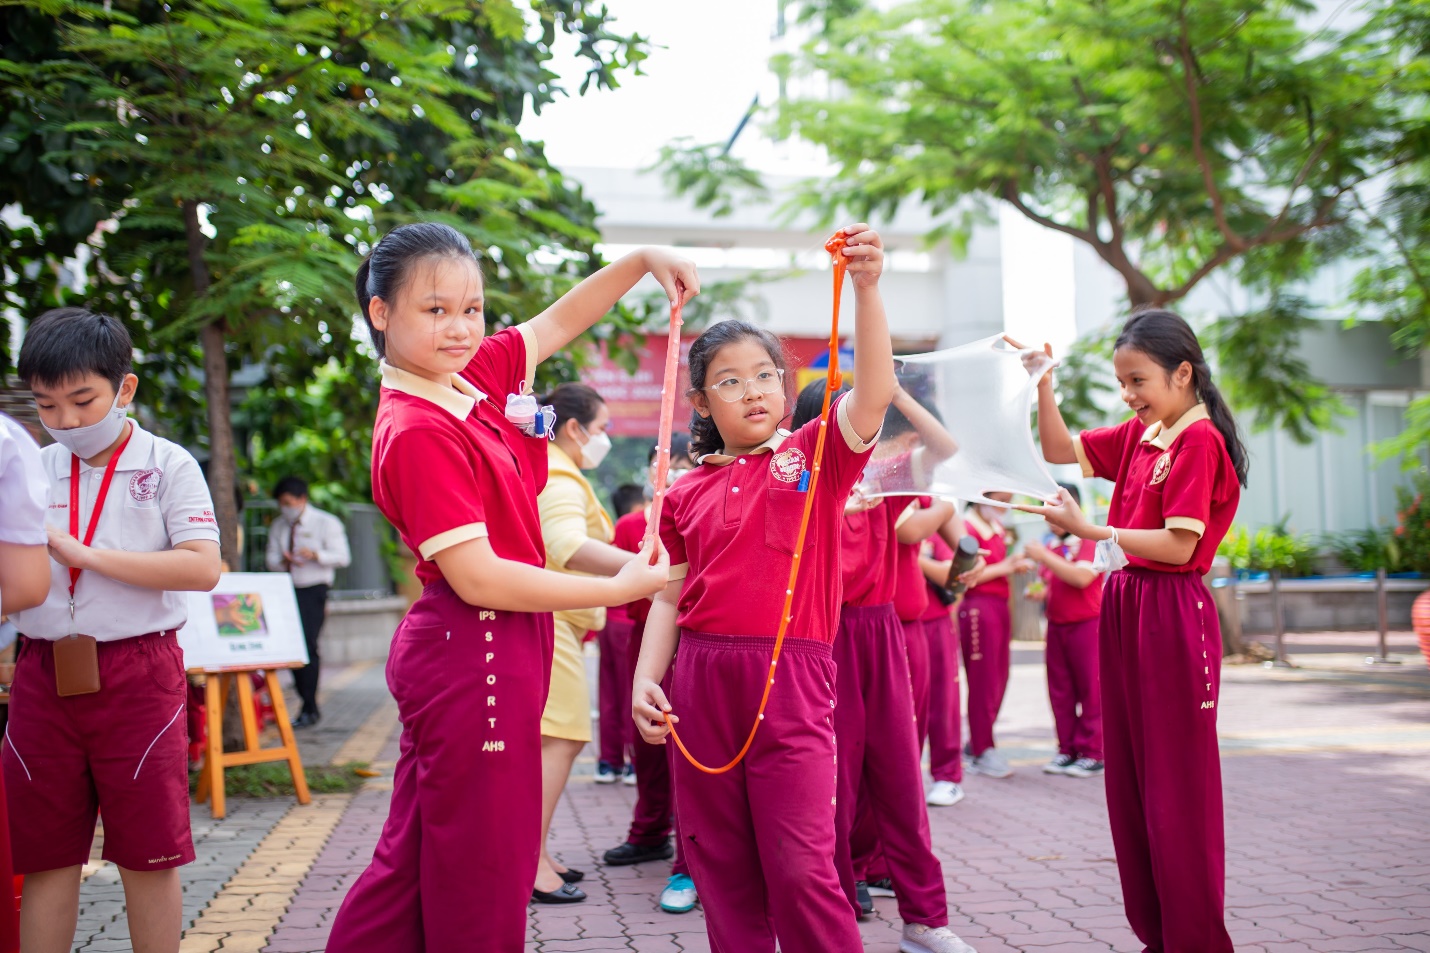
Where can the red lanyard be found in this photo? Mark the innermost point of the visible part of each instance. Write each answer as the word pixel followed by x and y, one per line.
pixel 109 469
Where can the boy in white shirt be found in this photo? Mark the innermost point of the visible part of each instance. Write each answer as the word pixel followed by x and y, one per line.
pixel 97 705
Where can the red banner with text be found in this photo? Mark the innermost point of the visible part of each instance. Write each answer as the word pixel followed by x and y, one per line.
pixel 634 399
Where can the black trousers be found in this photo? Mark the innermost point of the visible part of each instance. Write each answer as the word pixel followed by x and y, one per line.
pixel 312 610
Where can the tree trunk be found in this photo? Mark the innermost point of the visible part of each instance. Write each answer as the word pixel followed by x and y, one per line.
pixel 222 470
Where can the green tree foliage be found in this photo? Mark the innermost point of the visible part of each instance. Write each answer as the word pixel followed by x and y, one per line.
pixel 225 164
pixel 1262 369
pixel 1174 139
pixel 1395 287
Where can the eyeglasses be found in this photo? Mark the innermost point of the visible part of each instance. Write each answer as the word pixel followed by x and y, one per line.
pixel 732 389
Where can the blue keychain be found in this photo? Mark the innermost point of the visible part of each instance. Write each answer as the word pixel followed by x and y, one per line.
pixel 531 418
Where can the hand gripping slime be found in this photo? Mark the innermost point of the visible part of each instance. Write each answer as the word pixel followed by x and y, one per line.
pixel 833 380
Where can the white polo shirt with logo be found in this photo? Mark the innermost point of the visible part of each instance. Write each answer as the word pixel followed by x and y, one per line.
pixel 157 500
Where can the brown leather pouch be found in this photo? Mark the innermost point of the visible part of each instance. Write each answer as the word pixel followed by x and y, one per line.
pixel 76 665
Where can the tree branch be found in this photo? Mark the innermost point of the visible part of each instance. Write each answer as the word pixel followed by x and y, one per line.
pixel 1296 184
pixel 1223 254
pixel 1198 150
pixel 1405 252
pixel 1103 165
pixel 1011 196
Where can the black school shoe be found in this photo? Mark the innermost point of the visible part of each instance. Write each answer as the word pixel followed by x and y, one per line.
pixel 568 893
pixel 866 902
pixel 882 888
pixel 572 876
pixel 627 854
pixel 307 719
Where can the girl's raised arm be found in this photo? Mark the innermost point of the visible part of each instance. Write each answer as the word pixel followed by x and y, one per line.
pixel 874 379
pixel 578 309
pixel 1053 433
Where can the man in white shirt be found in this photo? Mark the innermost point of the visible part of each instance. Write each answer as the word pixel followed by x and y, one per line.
pixel 310 545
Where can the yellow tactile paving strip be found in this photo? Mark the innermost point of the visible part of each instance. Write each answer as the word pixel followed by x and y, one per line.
pixel 245 912
pixel 367 742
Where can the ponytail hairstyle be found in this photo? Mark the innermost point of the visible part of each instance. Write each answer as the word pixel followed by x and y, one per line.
pixel 704 435
pixel 1169 340
pixel 810 403
pixel 576 402
pixel 388 266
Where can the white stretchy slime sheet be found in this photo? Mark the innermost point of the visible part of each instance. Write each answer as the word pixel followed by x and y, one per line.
pixel 983 393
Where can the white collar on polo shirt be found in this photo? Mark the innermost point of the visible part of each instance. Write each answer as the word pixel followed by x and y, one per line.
pixel 985 529
pixel 721 458
pixel 458 400
pixel 1163 438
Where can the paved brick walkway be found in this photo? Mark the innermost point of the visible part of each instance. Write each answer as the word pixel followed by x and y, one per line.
pixel 1327 776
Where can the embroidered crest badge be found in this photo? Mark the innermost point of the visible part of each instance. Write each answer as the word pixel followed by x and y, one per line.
pixel 144 485
pixel 787 465
pixel 1162 468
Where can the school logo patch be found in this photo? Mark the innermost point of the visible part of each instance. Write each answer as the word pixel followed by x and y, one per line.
pixel 1163 467
pixel 787 465
pixel 144 485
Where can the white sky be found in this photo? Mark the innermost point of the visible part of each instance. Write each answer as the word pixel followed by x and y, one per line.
pixel 703 70
pixel 700 77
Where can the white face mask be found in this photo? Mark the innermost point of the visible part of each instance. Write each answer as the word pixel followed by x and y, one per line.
pixel 86 442
pixel 595 450
pixel 992 515
pixel 1109 556
pixel 291 513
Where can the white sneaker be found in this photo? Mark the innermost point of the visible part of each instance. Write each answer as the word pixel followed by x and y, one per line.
pixel 944 794
pixel 1059 764
pixel 919 938
pixel 992 764
pixel 628 776
pixel 1085 768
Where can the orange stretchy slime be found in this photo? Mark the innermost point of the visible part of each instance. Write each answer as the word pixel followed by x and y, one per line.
pixel 667 421
pixel 833 381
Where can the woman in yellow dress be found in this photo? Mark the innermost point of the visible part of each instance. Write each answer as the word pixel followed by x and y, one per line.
pixel 578 536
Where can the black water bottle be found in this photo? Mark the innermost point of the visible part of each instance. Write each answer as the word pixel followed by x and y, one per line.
pixel 965 557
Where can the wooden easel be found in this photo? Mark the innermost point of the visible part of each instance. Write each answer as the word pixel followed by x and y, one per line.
pixel 219 684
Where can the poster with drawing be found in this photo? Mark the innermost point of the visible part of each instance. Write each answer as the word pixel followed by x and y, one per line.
pixel 249 620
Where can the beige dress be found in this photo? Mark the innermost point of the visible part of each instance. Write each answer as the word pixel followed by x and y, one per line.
pixel 570 515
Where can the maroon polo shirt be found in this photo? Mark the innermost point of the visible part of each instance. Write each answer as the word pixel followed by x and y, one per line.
pixel 730 526
pixel 1167 478
pixel 867 557
pixel 448 467
pixel 911 592
pixel 1067 603
pixel 942 552
pixel 629 534
pixel 991 537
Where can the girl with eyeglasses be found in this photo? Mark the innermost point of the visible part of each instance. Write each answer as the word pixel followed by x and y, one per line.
pixel 759 839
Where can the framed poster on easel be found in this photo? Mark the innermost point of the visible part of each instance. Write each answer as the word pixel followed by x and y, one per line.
pixel 249 623
pixel 250 620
